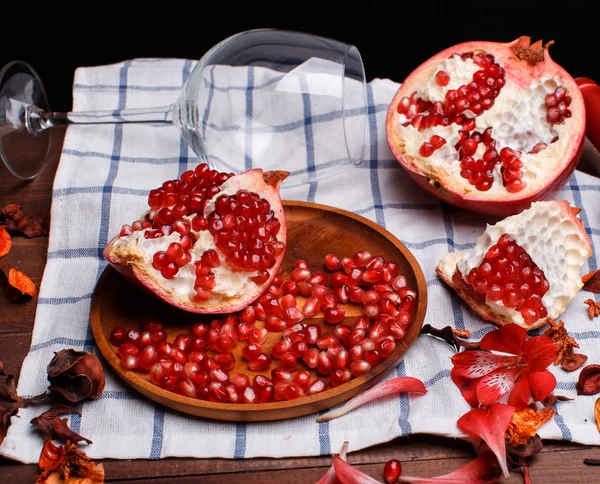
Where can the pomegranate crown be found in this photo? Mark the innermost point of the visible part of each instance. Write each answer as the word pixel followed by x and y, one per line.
pixel 531 53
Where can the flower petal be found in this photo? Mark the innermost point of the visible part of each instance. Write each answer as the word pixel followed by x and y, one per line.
pixel 495 385
pixel 489 424
pixel 539 352
pixel 507 339
pixel 475 364
pixel 520 396
pixel 467 387
pixel 542 384
pixel 388 388
pixel 329 477
pixel 350 475
pixel 481 470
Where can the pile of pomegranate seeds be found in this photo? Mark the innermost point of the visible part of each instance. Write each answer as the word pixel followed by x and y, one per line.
pixel 243 226
pixel 508 274
pixel 307 359
pixel 476 97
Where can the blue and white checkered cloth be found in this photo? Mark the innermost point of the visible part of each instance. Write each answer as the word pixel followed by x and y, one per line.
pixel 102 182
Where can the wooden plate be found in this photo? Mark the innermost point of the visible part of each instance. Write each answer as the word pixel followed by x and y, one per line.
pixel 313 231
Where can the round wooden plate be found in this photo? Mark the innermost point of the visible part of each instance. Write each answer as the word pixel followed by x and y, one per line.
pixel 313 231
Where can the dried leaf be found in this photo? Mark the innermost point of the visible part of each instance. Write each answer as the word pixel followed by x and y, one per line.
pixel 330 477
pixel 489 424
pixel 64 433
pixel 558 333
pixel 10 403
pixel 5 242
pixel 45 421
pixel 532 447
pixel 391 387
pixel 449 335
pixel 593 308
pixel 589 380
pixel 68 465
pixel 524 424
pixel 573 362
pixel 481 470
pixel 19 285
pixel 551 399
pixel 591 282
pixel 526 477
pixel 76 375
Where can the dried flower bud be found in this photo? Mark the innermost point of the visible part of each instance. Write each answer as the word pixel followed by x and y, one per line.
pixel 76 375
pixel 67 464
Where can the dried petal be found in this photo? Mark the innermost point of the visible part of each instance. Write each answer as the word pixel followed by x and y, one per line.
pixel 450 336
pixel 388 388
pixel 593 308
pixel 64 433
pixel 573 362
pixel 5 242
pixel 29 225
pixel 597 413
pixel 532 447
pixel 489 424
pixel 67 464
pixel 589 380
pixel 481 470
pixel 330 477
pixel 76 375
pixel 591 282
pixel 45 421
pixel 19 285
pixel 551 399
pixel 525 423
pixel 526 477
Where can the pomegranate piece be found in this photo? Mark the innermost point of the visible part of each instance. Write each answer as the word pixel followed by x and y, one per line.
pixel 433 120
pixel 201 229
pixel 520 276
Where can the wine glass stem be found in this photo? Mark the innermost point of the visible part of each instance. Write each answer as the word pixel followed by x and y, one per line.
pixel 38 120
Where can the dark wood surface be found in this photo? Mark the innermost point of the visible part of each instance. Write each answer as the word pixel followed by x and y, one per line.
pixel 420 455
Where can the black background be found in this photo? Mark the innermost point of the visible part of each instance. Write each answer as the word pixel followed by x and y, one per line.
pixel 393 37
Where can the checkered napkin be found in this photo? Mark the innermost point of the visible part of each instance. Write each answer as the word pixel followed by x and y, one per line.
pixel 102 182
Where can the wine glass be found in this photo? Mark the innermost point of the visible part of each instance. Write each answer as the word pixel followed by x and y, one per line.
pixel 251 101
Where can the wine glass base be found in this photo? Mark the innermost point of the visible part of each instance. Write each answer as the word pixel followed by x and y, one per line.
pixel 24 153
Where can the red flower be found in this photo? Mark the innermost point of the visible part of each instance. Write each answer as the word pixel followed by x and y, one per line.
pixel 485 377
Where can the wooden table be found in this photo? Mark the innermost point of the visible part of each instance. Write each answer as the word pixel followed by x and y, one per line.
pixel 420 455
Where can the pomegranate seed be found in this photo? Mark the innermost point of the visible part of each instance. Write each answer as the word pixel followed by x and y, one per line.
pixel 300 275
pixel 168 382
pixel 183 342
pixel 318 278
pixel 392 471
pixel 311 307
pixel 280 348
pixel 118 336
pixel 339 377
pixel 312 333
pixel 324 363
pixel 280 375
pixel 240 381
pixel 274 323
pixel 302 379
pixel 258 336
pixel 334 315
pixel 299 348
pixel 293 391
pixel 333 262
pixel 327 341
pixel 426 149
pixel 179 356
pixel 287 301
pixel 251 351
pixel 280 387
pixel 147 357
pixel 288 362
pixel 262 362
pixel 130 362
pixel 342 331
pixel 359 367
pixel 317 386
pixel 341 359
pixel 225 360
pixel 442 78
pixel 156 373
pixel 311 357
pixel 248 395
pixel 290 287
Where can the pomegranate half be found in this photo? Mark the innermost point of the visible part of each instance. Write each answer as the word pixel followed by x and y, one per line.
pixel 525 269
pixel 211 242
pixel 488 127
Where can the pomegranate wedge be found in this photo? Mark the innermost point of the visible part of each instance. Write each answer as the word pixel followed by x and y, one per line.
pixel 211 242
pixel 489 424
pixel 489 127
pixel 330 476
pixel 386 389
pixel 525 269
pixel 481 470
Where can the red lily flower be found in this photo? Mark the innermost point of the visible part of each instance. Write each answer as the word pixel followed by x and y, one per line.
pixel 484 377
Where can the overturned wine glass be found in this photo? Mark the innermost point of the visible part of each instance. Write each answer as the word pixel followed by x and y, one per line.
pixel 265 98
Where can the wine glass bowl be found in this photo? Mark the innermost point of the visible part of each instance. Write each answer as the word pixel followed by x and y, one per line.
pixel 263 98
pixel 23 148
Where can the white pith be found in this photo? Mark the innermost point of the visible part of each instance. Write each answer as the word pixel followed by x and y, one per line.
pixel 229 283
pixel 518 119
pixel 552 239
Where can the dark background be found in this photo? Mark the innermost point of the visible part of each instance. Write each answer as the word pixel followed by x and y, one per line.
pixel 393 37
